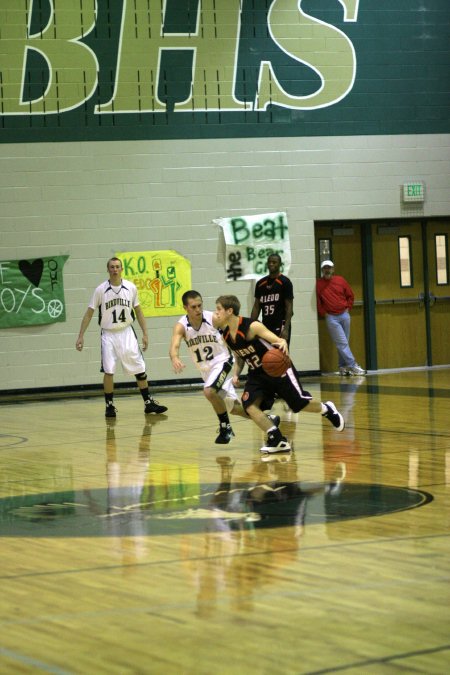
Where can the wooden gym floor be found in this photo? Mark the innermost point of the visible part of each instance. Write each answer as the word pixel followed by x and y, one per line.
pixel 143 547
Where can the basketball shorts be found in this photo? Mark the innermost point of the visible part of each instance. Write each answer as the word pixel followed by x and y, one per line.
pixel 121 346
pixel 263 388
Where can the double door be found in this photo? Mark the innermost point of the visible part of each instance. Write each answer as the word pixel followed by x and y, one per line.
pixel 399 273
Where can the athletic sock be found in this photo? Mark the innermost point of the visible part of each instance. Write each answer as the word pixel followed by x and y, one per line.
pixel 145 394
pixel 223 418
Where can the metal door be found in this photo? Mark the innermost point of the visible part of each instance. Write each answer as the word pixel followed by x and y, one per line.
pixel 438 291
pixel 401 336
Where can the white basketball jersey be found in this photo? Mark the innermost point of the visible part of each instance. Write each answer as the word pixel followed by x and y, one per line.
pixel 205 344
pixel 115 304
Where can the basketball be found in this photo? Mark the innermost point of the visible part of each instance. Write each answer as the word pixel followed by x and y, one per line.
pixel 275 362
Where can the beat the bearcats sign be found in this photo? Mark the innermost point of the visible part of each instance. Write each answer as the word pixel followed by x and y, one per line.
pixel 32 291
pixel 250 240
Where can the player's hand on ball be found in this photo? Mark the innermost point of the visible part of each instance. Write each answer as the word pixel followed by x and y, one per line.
pixel 282 345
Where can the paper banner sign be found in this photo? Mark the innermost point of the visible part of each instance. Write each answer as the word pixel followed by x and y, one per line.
pixel 249 240
pixel 32 291
pixel 161 278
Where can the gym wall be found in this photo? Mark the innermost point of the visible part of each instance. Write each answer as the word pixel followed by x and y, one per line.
pixel 124 128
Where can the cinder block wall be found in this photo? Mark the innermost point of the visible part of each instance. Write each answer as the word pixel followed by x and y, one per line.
pixel 89 200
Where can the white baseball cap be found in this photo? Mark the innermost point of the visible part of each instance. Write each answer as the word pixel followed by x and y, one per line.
pixel 326 263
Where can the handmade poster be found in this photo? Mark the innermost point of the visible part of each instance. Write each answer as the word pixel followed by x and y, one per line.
pixel 32 291
pixel 161 278
pixel 249 240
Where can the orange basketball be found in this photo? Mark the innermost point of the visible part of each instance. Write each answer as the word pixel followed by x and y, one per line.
pixel 275 362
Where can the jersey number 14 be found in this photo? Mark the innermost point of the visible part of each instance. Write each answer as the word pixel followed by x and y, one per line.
pixel 121 318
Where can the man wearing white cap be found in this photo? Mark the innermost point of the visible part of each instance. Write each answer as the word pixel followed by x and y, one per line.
pixel 334 302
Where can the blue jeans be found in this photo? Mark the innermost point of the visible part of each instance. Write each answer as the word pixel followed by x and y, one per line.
pixel 339 328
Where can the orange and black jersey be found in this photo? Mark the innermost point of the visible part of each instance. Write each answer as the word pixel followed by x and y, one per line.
pixel 260 388
pixel 272 295
pixel 251 351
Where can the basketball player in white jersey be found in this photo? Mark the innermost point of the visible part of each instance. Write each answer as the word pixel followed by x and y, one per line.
pixel 118 306
pixel 212 358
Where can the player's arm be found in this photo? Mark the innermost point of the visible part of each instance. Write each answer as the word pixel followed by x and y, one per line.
pixel 174 351
pixel 257 329
pixel 289 312
pixel 86 320
pixel 255 310
pixel 141 321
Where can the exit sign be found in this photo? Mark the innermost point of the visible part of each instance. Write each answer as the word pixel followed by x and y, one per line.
pixel 414 192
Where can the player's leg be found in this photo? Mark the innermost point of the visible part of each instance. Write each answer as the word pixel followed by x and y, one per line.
pixel 151 406
pixel 108 390
pixel 133 362
pixel 328 410
pixel 225 431
pixel 256 392
pixel 298 399
pixel 235 407
pixel 108 368
pixel 258 417
pixel 230 398
pixel 214 392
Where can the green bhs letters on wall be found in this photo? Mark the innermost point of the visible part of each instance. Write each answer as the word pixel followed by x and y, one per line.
pixel 210 68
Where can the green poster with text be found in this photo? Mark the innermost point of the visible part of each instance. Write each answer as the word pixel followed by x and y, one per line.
pixel 32 291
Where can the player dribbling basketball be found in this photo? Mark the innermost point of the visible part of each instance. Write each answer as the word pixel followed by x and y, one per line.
pixel 249 340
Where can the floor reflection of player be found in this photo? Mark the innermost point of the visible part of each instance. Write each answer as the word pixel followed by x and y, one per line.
pixel 126 480
pixel 258 519
pixel 344 449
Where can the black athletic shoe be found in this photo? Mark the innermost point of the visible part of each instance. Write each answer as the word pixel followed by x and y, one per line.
pixel 334 416
pixel 225 434
pixel 276 442
pixel 110 410
pixel 152 406
pixel 275 419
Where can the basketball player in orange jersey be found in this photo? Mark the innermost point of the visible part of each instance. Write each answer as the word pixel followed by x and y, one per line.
pixel 250 340
pixel 118 305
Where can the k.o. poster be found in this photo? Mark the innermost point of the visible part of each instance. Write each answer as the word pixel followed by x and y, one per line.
pixel 32 291
pixel 249 240
pixel 161 278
